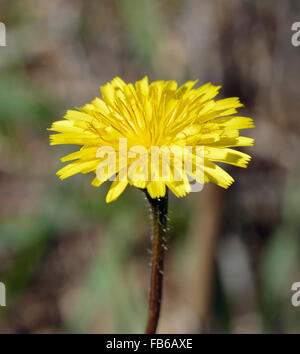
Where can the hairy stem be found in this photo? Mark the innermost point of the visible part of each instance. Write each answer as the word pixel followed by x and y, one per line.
pixel 159 211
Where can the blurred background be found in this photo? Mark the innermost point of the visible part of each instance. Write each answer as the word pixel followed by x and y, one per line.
pixel 73 264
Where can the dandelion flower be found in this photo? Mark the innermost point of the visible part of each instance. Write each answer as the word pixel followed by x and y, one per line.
pixel 127 135
pixel 156 114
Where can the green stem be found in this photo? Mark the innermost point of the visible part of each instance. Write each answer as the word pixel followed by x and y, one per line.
pixel 159 212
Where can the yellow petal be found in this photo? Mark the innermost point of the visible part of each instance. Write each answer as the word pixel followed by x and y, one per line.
pixel 77 167
pixel 230 156
pixel 76 139
pixel 217 175
pixel 96 182
pixel 115 190
pixel 235 122
pixel 156 189
pixel 77 115
pixel 83 154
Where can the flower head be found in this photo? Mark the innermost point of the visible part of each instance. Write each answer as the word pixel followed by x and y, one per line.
pixel 133 119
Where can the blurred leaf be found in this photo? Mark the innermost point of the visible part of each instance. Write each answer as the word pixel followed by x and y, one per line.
pixel 144 25
pixel 22 104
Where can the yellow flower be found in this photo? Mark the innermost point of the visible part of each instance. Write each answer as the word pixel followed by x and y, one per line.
pixel 158 114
